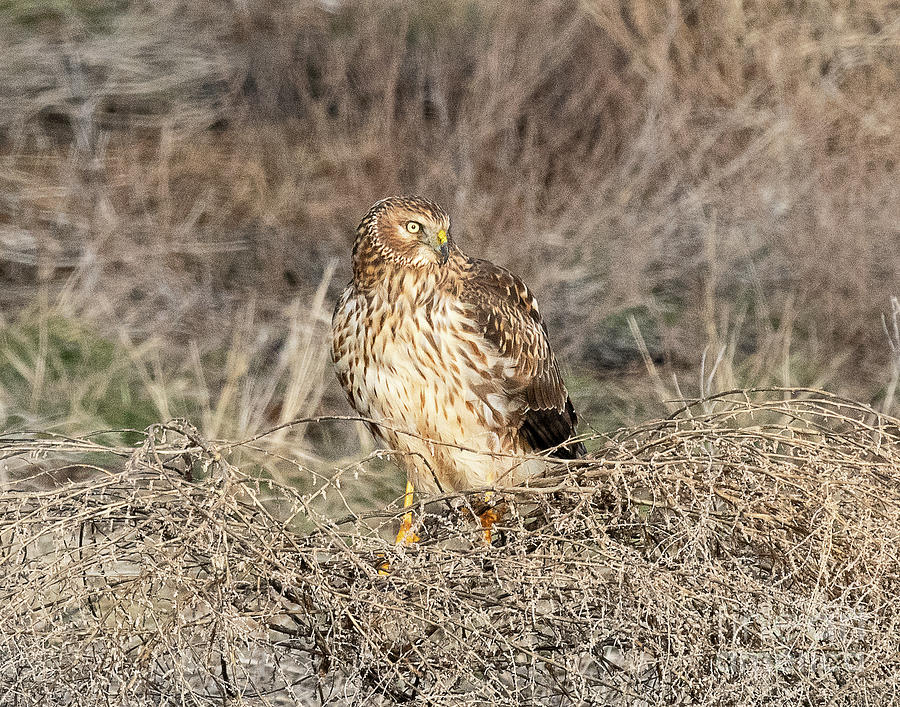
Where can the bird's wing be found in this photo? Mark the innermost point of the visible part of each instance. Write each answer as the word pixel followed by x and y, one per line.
pixel 506 314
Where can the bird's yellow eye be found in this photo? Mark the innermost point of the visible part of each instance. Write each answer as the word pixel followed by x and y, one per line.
pixel 413 226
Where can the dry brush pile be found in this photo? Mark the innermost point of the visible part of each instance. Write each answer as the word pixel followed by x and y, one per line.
pixel 743 551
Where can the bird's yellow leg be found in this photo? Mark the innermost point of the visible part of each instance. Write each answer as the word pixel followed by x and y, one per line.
pixel 488 518
pixel 406 534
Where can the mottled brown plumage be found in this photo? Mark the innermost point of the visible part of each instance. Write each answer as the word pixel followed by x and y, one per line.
pixel 447 354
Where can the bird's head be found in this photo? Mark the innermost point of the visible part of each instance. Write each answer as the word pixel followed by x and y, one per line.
pixel 409 229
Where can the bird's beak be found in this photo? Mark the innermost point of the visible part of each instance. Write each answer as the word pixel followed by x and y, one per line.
pixel 443 246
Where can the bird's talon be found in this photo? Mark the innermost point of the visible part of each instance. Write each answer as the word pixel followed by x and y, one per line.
pixel 488 518
pixel 384 567
pixel 407 535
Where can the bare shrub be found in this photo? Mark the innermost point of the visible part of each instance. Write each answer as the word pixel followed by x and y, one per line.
pixel 746 554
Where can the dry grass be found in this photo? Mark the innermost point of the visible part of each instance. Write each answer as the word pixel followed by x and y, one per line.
pixel 745 554
pixel 729 170
pixel 703 195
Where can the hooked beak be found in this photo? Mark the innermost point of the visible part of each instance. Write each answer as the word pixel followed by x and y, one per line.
pixel 443 246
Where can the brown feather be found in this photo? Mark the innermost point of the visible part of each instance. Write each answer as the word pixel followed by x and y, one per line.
pixel 444 352
pixel 508 315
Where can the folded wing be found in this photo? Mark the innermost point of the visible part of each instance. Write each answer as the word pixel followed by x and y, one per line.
pixel 507 315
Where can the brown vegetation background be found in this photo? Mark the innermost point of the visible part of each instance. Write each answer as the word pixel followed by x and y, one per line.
pixel 180 184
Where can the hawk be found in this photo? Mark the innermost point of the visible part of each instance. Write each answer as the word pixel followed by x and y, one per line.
pixel 447 357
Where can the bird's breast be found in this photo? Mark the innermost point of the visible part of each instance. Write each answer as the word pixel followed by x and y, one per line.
pixel 417 360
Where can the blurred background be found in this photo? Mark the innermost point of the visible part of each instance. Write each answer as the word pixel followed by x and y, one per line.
pixel 703 196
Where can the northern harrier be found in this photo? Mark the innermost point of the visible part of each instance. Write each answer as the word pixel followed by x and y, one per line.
pixel 448 355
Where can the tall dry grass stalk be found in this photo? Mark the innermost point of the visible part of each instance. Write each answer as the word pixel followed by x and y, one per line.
pixel 729 168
